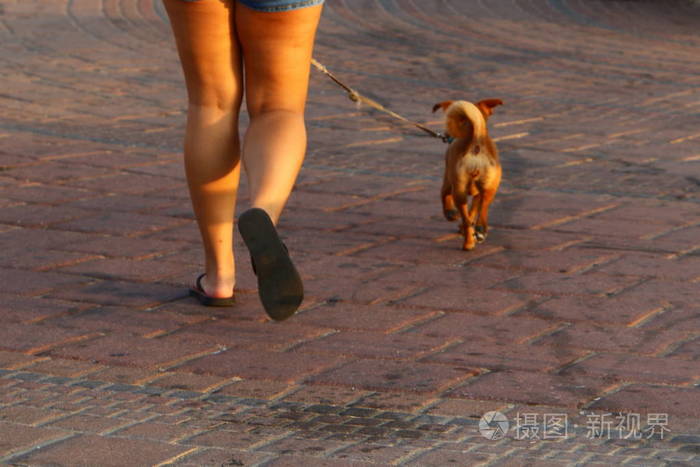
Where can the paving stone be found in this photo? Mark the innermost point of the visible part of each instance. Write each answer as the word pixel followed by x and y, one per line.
pixel 119 350
pixel 314 462
pixel 111 246
pixel 10 360
pixel 359 291
pixel 348 316
pixel 120 293
pixel 114 319
pixel 47 260
pixel 214 456
pixel 436 274
pixel 527 460
pixel 87 423
pixel 681 319
pixel 25 283
pixel 65 368
pixel 557 284
pixel 425 252
pixel 260 389
pixel 684 269
pixel 155 431
pixel 529 240
pixel 397 227
pixel 51 172
pixel 118 223
pixel 44 239
pixel 392 375
pixel 464 408
pixel 448 457
pixel 188 382
pixel 520 386
pixel 674 401
pixel 483 328
pixel 17 438
pixel 664 212
pixel 629 309
pixel 474 298
pixel 360 344
pixel 95 450
pixel 120 375
pixel 619 228
pixel 123 182
pixel 567 261
pixel 497 356
pixel 262 335
pixel 331 243
pixel 634 368
pixel 146 270
pixel 401 402
pixel 35 338
pixel 140 204
pixel 680 294
pixel 28 415
pixel 278 366
pixel 36 193
pixel 302 446
pixel 599 338
pixel 326 395
pixel 236 440
pixel 374 453
pixel 39 216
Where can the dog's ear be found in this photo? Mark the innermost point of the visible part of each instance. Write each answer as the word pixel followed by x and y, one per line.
pixel 486 106
pixel 442 105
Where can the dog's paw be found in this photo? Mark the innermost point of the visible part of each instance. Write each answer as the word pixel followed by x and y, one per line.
pixel 451 214
pixel 468 246
pixel 480 234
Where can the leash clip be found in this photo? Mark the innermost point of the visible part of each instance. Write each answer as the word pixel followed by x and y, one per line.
pixel 445 137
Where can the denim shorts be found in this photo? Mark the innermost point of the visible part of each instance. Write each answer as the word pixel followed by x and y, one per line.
pixel 276 5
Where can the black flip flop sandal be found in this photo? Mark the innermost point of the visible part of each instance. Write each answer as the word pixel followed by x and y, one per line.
pixel 206 300
pixel 279 284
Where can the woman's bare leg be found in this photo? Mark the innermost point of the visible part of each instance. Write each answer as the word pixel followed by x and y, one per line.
pixel 277 50
pixel 210 57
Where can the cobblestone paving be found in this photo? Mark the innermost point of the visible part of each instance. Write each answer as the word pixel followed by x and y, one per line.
pixel 582 305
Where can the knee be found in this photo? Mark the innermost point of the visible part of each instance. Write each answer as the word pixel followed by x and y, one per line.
pixel 275 111
pixel 275 115
pixel 221 96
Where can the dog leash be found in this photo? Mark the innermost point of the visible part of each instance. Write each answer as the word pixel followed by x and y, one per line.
pixel 357 97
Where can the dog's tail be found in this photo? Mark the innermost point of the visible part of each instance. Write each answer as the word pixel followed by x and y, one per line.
pixel 457 113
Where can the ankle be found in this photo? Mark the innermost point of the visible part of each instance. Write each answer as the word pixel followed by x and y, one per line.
pixel 217 286
pixel 272 209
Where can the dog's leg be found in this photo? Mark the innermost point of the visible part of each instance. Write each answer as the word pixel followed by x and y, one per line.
pixel 477 209
pixel 448 207
pixel 482 228
pixel 448 202
pixel 468 226
pixel 475 215
pixel 467 220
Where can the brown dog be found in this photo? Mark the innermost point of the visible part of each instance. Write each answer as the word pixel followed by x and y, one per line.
pixel 471 167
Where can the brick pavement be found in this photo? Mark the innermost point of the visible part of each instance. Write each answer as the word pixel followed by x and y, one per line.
pixel 583 302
